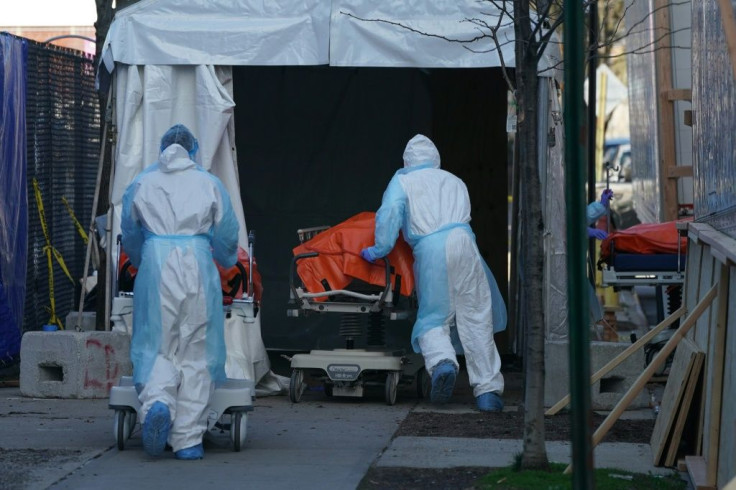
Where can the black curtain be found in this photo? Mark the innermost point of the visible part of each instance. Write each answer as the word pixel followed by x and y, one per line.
pixel 317 145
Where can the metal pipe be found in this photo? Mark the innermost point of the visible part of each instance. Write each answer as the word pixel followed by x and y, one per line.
pixel 93 243
pixel 578 304
pixel 592 90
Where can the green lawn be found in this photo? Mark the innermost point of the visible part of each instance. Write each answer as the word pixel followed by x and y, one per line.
pixel 554 479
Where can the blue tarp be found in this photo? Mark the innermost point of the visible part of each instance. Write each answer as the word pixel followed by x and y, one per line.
pixel 13 194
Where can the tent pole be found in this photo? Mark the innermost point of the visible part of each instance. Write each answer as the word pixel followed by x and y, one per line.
pixel 92 241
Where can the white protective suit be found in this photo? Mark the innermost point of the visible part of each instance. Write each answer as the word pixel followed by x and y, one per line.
pixel 176 218
pixel 458 295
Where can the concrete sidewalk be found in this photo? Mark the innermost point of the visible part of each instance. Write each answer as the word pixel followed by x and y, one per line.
pixel 319 443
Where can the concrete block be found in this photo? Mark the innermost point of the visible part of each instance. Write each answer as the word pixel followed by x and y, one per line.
pixel 607 391
pixel 89 319
pixel 70 364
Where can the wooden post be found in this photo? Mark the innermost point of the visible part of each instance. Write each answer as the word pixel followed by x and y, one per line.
pixel 658 360
pixel 729 29
pixel 666 109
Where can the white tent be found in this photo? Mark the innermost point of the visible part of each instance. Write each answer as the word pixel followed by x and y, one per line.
pixel 172 60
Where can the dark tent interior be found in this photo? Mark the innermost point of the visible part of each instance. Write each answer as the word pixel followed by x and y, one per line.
pixel 317 145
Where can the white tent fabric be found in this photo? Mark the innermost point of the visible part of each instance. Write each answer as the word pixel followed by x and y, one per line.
pixel 151 99
pixel 417 33
pixel 219 32
pixel 389 33
pixel 616 91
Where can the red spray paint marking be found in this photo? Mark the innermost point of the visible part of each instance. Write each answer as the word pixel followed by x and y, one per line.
pixel 111 367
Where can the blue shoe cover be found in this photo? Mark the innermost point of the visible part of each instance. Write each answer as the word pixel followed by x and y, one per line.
pixel 189 453
pixel 489 402
pixel 156 429
pixel 443 382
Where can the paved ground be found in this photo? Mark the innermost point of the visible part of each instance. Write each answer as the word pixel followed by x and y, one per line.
pixel 319 443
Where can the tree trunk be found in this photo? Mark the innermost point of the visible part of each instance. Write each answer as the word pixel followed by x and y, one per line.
pixel 534 455
pixel 105 14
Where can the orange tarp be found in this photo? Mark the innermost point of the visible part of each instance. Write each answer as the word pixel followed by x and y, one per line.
pixel 233 279
pixel 644 239
pixel 339 260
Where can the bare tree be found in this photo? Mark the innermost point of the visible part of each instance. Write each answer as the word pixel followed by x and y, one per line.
pixel 105 13
pixel 529 49
pixel 535 23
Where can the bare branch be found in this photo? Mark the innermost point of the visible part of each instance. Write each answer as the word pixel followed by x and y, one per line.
pixel 479 24
pixel 416 31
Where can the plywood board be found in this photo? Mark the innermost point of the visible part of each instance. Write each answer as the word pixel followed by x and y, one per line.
pixel 727 451
pixel 672 397
pixel 685 409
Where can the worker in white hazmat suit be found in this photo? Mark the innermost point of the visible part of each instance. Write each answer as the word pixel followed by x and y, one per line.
pixel 458 295
pixel 176 218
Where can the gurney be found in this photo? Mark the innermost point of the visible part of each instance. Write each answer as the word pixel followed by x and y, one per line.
pixel 328 276
pixel 233 397
pixel 644 254
pixel 648 255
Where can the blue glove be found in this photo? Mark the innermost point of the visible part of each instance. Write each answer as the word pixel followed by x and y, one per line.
pixel 367 255
pixel 596 233
pixel 606 197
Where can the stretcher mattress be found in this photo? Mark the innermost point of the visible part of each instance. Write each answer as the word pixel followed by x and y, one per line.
pixel 339 261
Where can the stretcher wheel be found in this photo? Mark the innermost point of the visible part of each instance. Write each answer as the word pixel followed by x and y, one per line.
pixel 238 429
pixel 296 386
pixel 424 383
pixel 123 427
pixel 392 386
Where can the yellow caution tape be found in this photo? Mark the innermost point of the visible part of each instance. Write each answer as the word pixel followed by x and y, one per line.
pixel 49 250
pixel 77 224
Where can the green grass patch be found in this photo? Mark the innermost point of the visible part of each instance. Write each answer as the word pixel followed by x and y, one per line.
pixel 554 479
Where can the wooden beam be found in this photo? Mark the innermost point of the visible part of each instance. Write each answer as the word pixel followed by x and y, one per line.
pixel 691 386
pixel 729 29
pixel 697 472
pixel 677 171
pixel 722 243
pixel 678 94
pixel 672 404
pixel 658 360
pixel 622 356
pixel 710 452
pixel 666 109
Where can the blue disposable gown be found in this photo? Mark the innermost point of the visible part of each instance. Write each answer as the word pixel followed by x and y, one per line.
pixel 176 218
pixel 456 290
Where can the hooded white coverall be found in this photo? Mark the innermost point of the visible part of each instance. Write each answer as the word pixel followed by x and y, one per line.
pixel 458 295
pixel 176 218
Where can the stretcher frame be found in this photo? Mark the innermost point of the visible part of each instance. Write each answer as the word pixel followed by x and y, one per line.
pixel 231 399
pixel 346 372
pixel 628 278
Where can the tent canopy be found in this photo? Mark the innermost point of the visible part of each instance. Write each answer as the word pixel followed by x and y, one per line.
pixel 389 33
